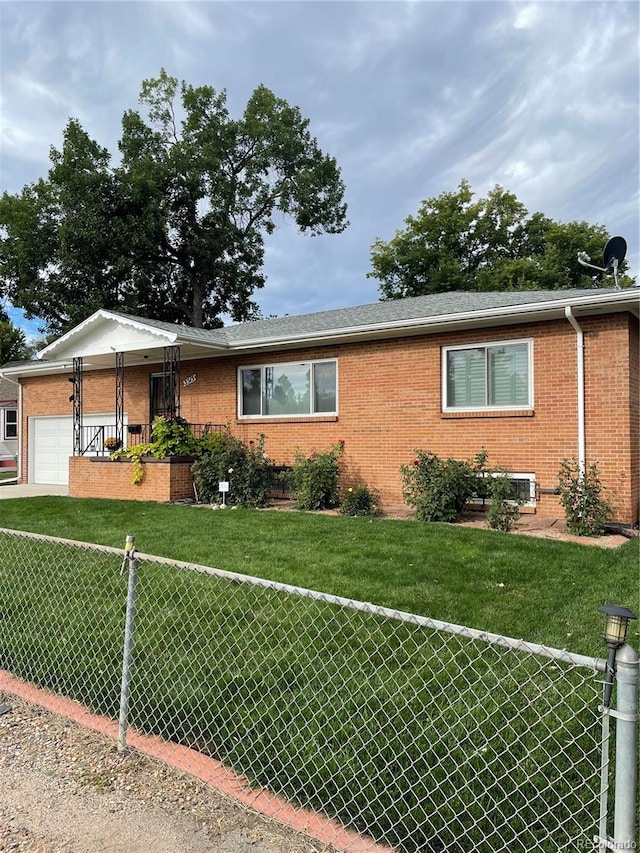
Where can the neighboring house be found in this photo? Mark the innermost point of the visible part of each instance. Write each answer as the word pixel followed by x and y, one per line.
pixel 534 377
pixel 8 423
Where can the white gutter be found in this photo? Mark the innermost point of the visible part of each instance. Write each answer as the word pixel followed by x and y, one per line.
pixel 582 446
pixel 36 368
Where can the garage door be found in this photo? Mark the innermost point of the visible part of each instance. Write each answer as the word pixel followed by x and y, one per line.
pixel 51 445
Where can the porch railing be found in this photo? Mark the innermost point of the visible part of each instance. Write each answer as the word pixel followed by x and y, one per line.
pixel 95 438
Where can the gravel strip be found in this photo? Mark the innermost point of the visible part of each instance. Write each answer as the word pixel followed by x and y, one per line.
pixel 64 789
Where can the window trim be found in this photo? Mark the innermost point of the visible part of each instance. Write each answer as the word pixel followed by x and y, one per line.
pixel 4 425
pixel 485 345
pixel 311 362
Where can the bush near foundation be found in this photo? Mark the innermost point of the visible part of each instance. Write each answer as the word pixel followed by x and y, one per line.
pixel 360 500
pixel 438 489
pixel 245 467
pixel 503 511
pixel 315 478
pixel 585 509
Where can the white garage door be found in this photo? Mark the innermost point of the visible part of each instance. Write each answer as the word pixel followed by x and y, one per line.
pixel 51 445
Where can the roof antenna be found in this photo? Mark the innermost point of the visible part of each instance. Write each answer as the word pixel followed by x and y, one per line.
pixel 612 258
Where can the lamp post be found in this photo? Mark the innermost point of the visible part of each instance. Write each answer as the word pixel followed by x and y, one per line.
pixel 616 622
pixel 626 715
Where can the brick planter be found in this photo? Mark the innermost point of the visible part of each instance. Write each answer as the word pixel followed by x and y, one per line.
pixel 100 477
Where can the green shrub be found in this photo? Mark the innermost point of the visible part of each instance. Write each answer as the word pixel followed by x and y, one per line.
pixel 360 500
pixel 315 478
pixel 438 489
pixel 245 467
pixel 503 511
pixel 169 437
pixel 172 437
pixel 585 509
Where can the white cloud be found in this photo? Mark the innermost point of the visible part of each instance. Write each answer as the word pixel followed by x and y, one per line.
pixel 190 20
pixel 527 16
pixel 410 97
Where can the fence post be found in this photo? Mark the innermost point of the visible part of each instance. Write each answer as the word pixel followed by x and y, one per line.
pixel 626 716
pixel 127 656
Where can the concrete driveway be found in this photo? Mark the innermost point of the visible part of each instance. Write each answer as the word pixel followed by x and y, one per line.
pixel 30 490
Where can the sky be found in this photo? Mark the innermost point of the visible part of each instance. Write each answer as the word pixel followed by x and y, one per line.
pixel 409 97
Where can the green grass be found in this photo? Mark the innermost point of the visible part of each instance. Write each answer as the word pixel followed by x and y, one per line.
pixel 426 740
pixel 8 474
pixel 541 590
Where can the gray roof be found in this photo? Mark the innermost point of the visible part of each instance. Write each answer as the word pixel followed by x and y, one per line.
pixel 380 314
pixel 205 336
pixel 393 311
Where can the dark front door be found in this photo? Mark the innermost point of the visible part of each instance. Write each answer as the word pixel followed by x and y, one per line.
pixel 157 395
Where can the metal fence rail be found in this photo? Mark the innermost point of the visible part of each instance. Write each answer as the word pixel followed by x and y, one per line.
pixel 95 439
pixel 420 736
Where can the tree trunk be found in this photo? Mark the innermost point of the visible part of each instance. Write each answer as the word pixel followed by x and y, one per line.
pixel 197 304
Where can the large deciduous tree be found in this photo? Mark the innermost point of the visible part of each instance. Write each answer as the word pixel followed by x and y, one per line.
pixel 456 242
pixel 13 344
pixel 175 230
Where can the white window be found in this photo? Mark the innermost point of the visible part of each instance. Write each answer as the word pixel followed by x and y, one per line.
pixel 10 423
pixel 497 375
pixel 285 390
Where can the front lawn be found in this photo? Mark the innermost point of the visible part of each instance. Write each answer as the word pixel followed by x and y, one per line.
pixel 544 591
pixel 386 726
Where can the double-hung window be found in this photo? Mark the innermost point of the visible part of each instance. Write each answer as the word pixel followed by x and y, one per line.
pixel 495 375
pixel 10 423
pixel 286 390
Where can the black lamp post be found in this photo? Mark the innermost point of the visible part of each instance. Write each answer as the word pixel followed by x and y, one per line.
pixel 616 622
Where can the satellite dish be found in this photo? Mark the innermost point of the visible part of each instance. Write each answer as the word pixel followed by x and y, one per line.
pixel 613 256
pixel 614 253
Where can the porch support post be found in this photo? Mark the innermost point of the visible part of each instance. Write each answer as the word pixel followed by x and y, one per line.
pixel 120 398
pixel 171 384
pixel 76 397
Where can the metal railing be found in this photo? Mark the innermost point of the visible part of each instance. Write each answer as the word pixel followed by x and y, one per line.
pixel 95 440
pixel 411 734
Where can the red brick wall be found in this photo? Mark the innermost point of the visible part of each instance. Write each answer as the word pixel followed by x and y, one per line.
pixel 613 430
pixel 634 417
pixel 163 481
pixel 390 404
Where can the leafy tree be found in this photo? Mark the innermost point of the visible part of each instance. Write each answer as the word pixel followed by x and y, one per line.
pixel 176 230
pixel 458 243
pixel 13 345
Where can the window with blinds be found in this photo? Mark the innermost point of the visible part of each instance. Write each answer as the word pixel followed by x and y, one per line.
pixel 496 375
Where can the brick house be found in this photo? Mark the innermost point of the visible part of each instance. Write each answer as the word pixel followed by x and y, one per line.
pixel 532 376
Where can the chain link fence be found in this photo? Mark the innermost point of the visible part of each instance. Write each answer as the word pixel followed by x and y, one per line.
pixel 415 735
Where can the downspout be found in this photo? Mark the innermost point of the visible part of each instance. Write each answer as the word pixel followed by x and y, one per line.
pixel 582 446
pixel 19 454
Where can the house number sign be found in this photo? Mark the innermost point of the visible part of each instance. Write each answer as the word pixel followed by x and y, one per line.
pixel 189 380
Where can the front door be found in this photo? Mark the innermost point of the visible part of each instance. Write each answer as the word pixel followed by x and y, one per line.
pixel 157 396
